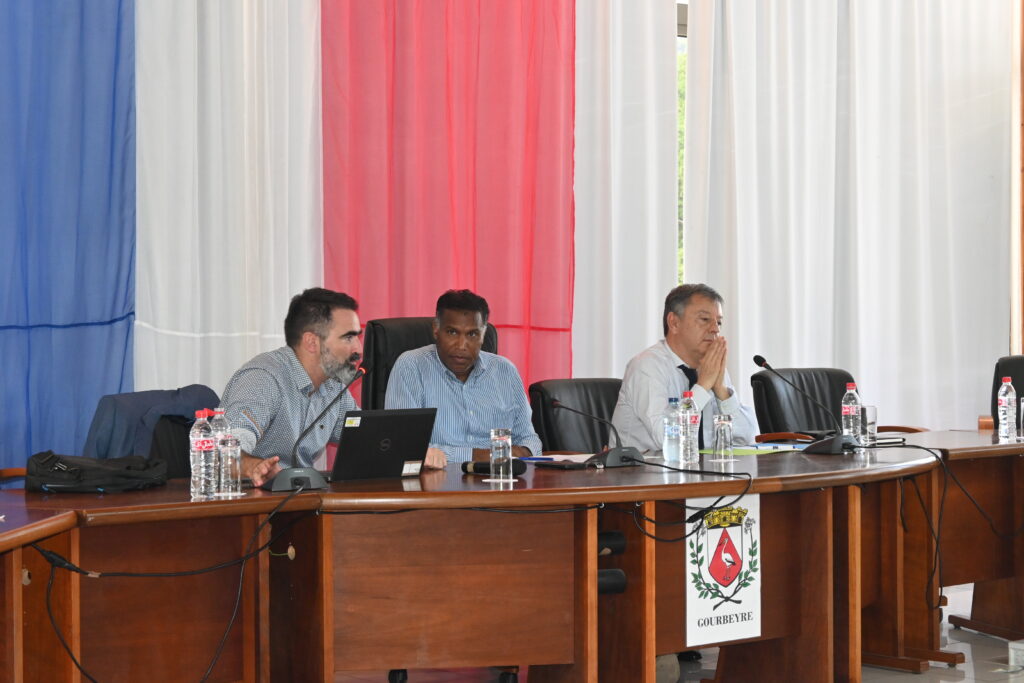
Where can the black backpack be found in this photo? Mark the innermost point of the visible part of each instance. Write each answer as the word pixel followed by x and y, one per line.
pixel 50 472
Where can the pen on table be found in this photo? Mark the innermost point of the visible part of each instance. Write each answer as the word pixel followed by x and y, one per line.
pixel 534 458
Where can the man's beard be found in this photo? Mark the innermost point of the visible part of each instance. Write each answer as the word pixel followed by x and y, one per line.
pixel 343 371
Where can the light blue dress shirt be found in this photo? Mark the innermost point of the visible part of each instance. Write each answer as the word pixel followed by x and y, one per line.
pixel 492 397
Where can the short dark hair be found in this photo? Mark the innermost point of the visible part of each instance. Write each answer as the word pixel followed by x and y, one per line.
pixel 677 299
pixel 462 300
pixel 312 311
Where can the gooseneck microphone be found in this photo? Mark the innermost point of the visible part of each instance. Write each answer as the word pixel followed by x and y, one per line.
pixel 308 478
pixel 620 456
pixel 833 445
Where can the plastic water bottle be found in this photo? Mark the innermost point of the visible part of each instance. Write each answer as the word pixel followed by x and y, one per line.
pixel 1006 409
pixel 202 456
pixel 851 411
pixel 690 454
pixel 221 428
pixel 671 424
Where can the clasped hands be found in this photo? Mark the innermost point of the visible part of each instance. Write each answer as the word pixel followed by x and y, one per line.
pixel 711 369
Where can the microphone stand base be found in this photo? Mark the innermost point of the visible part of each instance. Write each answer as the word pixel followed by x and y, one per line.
pixel 622 456
pixel 834 445
pixel 293 477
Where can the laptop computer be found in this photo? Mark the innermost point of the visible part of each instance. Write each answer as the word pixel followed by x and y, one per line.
pixel 383 444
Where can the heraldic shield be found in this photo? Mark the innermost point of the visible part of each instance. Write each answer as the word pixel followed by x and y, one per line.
pixel 724 555
pixel 726 562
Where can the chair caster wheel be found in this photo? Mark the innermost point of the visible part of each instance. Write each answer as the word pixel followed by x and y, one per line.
pixel 398 676
pixel 689 656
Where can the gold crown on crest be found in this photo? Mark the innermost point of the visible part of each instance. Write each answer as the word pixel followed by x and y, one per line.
pixel 725 517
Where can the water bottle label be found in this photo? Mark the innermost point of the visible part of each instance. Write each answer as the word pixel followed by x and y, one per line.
pixel 1002 401
pixel 851 410
pixel 695 419
pixel 203 444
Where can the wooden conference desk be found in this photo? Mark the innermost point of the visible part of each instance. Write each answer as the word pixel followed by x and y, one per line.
pixel 442 585
pixel 906 625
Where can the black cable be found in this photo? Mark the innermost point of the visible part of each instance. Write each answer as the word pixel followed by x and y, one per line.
pixel 934 527
pixel 57 561
pixel 241 577
pixel 507 511
pixel 936 563
pixel 56 629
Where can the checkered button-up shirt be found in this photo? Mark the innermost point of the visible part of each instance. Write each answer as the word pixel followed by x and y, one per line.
pixel 271 399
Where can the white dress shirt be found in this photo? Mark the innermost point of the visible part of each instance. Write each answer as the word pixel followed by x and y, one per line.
pixel 651 378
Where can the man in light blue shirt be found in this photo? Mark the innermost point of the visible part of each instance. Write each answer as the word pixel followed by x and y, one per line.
pixel 474 391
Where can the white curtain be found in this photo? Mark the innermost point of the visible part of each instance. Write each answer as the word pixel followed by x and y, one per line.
pixel 625 180
pixel 848 186
pixel 229 181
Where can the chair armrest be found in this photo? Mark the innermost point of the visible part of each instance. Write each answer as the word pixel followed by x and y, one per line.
pixel 11 473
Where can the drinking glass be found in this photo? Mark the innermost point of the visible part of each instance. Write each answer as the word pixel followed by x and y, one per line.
pixel 501 456
pixel 868 426
pixel 1020 416
pixel 722 444
pixel 230 466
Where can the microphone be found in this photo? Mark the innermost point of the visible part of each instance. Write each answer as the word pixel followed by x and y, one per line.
pixel 518 467
pixel 619 456
pixel 833 445
pixel 308 478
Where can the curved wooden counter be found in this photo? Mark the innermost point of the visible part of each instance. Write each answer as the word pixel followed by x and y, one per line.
pixel 357 576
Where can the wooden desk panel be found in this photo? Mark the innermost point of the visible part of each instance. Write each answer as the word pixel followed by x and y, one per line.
pixel 432 589
pixel 19 527
pixel 186 616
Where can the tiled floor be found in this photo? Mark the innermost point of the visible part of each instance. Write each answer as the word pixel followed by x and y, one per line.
pixel 986 661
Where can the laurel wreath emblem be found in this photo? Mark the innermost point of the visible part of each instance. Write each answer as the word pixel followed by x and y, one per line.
pixel 709 589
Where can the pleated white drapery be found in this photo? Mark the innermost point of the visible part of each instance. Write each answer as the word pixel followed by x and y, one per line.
pixel 625 180
pixel 848 186
pixel 229 182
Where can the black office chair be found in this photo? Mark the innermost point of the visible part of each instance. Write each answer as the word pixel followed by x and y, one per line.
pixel 782 410
pixel 1007 366
pixel 388 338
pixel 785 415
pixel 562 430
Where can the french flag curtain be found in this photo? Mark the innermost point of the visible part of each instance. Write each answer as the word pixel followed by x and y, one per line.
pixel 173 171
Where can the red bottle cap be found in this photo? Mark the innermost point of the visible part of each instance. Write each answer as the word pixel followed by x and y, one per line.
pixel 851 386
pixel 1007 380
pixel 687 394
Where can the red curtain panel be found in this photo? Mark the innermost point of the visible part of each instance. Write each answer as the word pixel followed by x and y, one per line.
pixel 448 163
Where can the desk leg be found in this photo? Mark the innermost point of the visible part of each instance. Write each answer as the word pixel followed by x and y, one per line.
pixel 921 615
pixel 846 501
pixel 883 617
pixel 584 666
pixel 807 652
pixel 298 604
pixel 11 643
pixel 997 606
pixel 47 660
pixel 626 622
